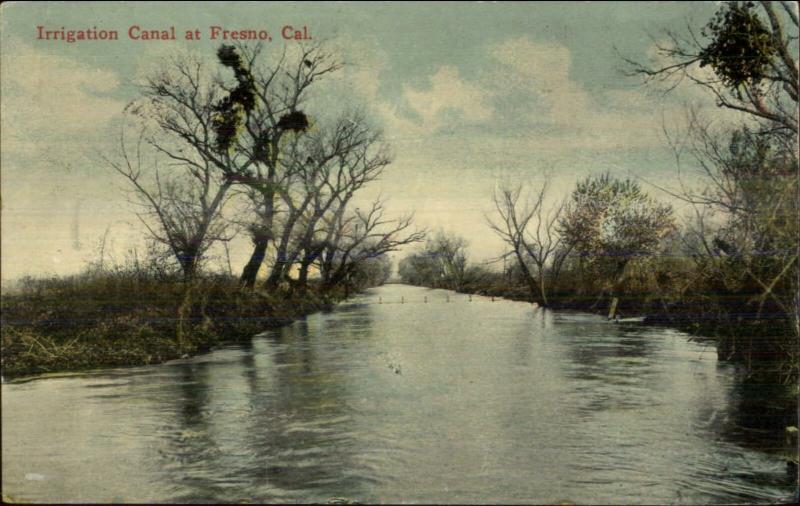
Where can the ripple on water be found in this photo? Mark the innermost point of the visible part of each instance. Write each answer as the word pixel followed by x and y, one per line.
pixel 493 402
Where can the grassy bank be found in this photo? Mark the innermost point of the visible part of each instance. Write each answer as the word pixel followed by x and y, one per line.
pixel 760 339
pixel 103 319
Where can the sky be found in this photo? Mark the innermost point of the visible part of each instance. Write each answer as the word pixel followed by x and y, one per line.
pixel 469 95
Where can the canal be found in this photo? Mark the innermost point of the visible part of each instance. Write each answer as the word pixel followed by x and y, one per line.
pixel 443 398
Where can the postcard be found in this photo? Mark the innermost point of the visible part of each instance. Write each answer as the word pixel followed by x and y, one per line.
pixel 419 253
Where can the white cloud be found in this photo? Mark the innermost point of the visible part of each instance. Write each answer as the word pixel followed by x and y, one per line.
pixel 45 94
pixel 542 69
pixel 448 91
pixel 560 114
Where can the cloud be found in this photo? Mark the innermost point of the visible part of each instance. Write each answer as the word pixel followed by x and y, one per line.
pixel 418 111
pixel 448 93
pixel 526 98
pixel 55 113
pixel 45 94
pixel 447 103
pixel 542 69
pixel 568 114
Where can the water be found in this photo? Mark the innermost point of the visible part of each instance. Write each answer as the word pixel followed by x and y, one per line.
pixel 455 402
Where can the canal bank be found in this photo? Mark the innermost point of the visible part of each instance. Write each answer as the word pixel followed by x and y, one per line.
pixel 62 327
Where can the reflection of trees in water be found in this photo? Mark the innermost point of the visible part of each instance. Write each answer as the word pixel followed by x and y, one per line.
pixel 754 414
pixel 752 417
pixel 617 364
pixel 759 414
pixel 272 424
pixel 299 429
pixel 608 353
pixel 188 448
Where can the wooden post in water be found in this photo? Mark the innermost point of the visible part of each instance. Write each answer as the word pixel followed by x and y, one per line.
pixel 492 298
pixel 613 309
pixel 448 298
pixel 470 297
pixel 380 300
pixel 402 300
pixel 426 299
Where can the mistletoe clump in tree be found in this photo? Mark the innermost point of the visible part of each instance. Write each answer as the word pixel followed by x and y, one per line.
pixel 741 47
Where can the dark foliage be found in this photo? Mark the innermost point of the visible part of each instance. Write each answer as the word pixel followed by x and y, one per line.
pixel 295 120
pixel 240 100
pixel 741 46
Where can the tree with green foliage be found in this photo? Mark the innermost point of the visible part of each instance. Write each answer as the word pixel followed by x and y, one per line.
pixel 744 239
pixel 607 222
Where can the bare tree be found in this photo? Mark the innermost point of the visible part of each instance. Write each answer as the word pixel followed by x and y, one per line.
pixel 536 243
pixel 238 128
pixel 545 245
pixel 362 235
pixel 511 226
pixel 280 89
pixel 353 155
pixel 180 211
pixel 332 162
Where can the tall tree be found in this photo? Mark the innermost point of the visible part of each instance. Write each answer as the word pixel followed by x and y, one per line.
pixel 531 234
pixel 237 126
pixel 355 156
pixel 339 159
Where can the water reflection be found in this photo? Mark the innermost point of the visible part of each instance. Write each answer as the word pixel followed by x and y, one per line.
pixel 438 399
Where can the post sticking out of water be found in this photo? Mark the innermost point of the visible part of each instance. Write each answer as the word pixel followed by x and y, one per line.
pixel 426 299
pixel 613 309
pixel 402 300
pixel 448 298
pixel 470 297
pixel 380 300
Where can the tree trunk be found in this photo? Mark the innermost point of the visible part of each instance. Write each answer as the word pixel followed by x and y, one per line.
pixel 188 263
pixel 619 277
pixel 250 271
pixel 302 277
pixel 542 289
pixel 276 274
pixel 282 261
pixel 528 276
